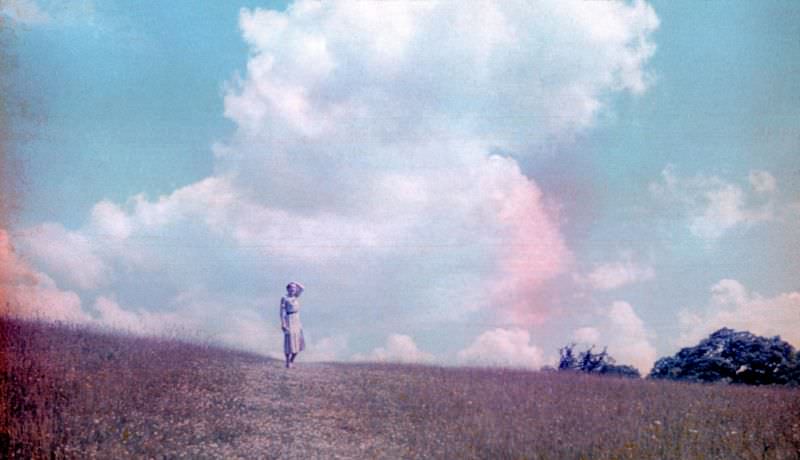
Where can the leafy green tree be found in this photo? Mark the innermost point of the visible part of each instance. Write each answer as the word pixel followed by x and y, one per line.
pixel 568 359
pixel 733 357
pixel 593 363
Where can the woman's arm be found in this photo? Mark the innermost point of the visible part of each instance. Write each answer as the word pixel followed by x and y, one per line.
pixel 284 326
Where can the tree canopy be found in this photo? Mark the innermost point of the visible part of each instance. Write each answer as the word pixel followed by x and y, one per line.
pixel 733 357
pixel 593 363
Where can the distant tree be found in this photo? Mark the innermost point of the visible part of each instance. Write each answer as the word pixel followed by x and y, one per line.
pixel 593 363
pixel 621 370
pixel 733 357
pixel 568 360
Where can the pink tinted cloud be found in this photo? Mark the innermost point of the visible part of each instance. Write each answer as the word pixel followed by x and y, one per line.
pixel 532 249
pixel 27 293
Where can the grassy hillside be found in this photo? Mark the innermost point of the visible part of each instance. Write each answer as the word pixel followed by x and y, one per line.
pixel 69 392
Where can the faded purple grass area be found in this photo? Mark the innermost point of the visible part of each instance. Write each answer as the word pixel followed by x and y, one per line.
pixel 74 392
pixel 69 392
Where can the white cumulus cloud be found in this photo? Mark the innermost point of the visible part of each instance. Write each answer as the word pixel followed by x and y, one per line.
pixel 586 335
pixel 372 154
pixel 613 275
pixel 329 348
pixel 111 314
pixel 712 206
pixel 69 254
pixel 735 306
pixel 27 293
pixel 630 339
pixel 399 348
pixel 623 332
pixel 762 182
pixel 24 11
pixel 503 347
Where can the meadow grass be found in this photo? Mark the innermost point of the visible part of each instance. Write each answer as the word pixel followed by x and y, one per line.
pixel 71 392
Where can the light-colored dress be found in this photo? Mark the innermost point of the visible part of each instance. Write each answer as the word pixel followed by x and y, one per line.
pixel 293 341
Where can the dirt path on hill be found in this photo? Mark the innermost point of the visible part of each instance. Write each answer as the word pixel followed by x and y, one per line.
pixel 313 411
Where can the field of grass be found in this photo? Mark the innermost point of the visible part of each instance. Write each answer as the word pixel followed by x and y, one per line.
pixel 67 392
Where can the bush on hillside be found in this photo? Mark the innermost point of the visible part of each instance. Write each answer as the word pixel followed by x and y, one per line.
pixel 593 363
pixel 733 357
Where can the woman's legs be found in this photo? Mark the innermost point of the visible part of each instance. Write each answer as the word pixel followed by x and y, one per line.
pixel 290 359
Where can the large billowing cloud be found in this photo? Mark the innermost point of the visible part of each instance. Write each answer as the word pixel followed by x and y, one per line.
pixel 735 306
pixel 374 161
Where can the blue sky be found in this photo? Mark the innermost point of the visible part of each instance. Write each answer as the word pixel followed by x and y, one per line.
pixel 182 164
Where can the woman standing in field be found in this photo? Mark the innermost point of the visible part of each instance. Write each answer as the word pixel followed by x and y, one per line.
pixel 293 341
